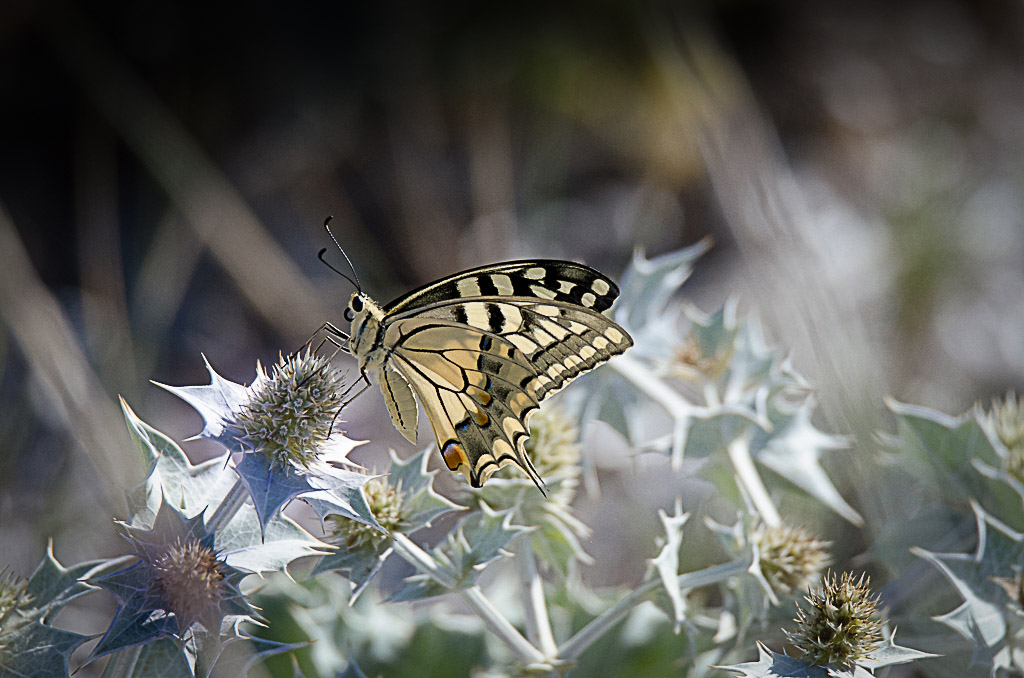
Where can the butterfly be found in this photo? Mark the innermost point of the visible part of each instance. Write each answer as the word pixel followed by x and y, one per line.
pixel 480 350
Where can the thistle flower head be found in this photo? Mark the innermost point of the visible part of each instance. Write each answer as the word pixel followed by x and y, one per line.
pixel 12 594
pixel 190 577
pixel 290 413
pixel 1007 419
pixel 179 572
pixel 385 501
pixel 1013 586
pixel 841 626
pixel 791 558
pixel 689 360
pixel 553 445
pixel 13 597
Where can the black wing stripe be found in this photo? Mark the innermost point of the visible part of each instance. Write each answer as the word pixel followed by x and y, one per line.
pixel 487 286
pixel 563 281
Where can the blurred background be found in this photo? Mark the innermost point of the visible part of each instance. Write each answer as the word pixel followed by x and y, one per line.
pixel 165 169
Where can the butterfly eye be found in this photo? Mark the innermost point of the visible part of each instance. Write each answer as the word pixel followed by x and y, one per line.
pixel 349 315
pixel 357 304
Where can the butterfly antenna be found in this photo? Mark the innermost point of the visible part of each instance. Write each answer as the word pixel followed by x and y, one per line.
pixel 320 256
pixel 327 227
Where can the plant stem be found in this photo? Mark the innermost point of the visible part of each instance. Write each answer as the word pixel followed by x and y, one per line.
pixel 538 624
pixel 422 560
pixel 679 408
pixel 473 596
pixel 228 507
pixel 747 477
pixel 501 626
pixel 650 383
pixel 602 623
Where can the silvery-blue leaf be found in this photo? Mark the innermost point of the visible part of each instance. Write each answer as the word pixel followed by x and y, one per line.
pixel 981 579
pixel 172 477
pixel 481 538
pixel 37 649
pixel 52 586
pixel 417 587
pixel 217 403
pixel 941 450
pixel 772 665
pixel 420 503
pixel 890 653
pixel 648 284
pixel 340 492
pixel 271 485
pixel 667 561
pixel 246 547
pixel 360 566
pixel 794 451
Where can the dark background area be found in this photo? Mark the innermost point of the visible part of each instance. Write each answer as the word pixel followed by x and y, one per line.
pixel 165 169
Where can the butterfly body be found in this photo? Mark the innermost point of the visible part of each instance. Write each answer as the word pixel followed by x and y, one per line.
pixel 481 349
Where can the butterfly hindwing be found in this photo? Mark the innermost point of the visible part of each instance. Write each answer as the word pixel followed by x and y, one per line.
pixel 477 390
pixel 400 401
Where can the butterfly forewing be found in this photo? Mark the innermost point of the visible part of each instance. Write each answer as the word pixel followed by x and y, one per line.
pixel 560 340
pixel 482 348
pixel 563 281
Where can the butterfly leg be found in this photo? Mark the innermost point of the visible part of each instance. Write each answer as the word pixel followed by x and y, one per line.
pixel 331 334
pixel 348 400
pixel 362 377
pixel 324 367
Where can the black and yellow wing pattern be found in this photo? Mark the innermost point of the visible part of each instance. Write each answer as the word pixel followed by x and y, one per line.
pixel 481 349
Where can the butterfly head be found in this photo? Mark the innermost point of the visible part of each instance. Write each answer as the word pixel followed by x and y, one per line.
pixel 356 306
pixel 365 316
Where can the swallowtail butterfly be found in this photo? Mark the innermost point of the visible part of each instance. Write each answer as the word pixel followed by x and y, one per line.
pixel 481 349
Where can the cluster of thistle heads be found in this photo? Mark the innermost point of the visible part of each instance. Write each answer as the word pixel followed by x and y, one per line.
pixel 197 532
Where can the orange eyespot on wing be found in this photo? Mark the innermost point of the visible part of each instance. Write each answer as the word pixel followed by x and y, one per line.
pixel 454 456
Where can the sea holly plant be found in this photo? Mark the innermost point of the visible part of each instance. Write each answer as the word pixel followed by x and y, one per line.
pixel 213 570
pixel 744 405
pixel 29 644
pixel 839 635
pixel 988 580
pixel 179 590
pixel 283 424
pixel 402 502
